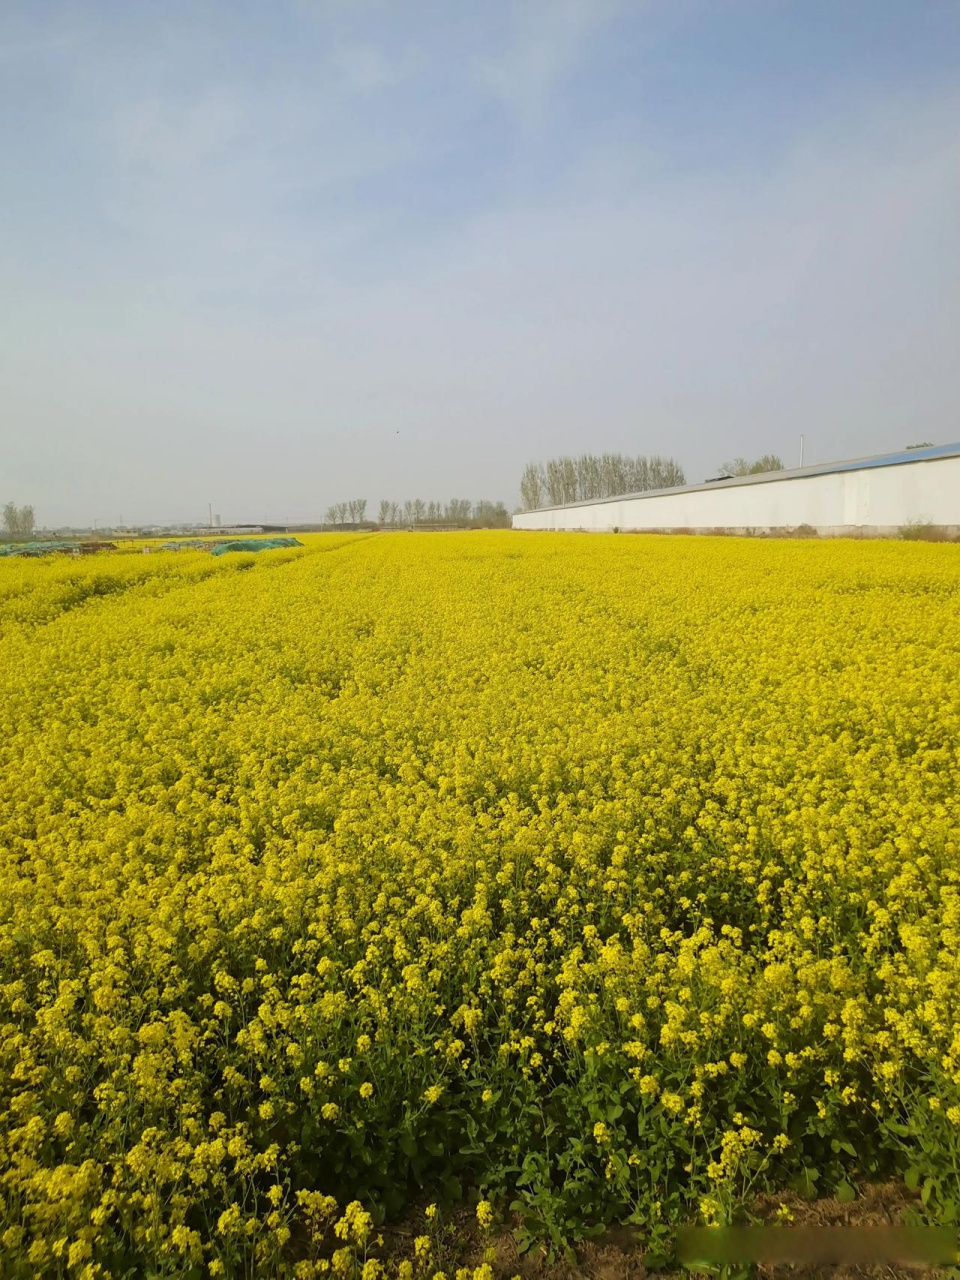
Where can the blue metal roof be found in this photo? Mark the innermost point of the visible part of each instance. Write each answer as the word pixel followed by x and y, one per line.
pixel 929 453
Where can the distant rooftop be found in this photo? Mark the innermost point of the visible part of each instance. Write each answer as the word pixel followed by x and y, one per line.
pixel 929 453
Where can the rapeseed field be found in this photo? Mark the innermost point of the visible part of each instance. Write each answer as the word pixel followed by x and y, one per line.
pixel 578 879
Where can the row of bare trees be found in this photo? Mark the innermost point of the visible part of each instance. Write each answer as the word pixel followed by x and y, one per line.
pixel 342 513
pixel 595 475
pixel 459 512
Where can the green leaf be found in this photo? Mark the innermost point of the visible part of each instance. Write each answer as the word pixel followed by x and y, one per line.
pixel 806 1183
pixel 846 1193
pixel 523 1239
pixel 453 1187
pixel 408 1144
pixel 393 1201
pixel 912 1178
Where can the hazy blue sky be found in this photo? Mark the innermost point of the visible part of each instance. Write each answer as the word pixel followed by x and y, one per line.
pixel 272 255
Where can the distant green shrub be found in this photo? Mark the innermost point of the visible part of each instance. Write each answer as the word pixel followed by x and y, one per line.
pixel 923 530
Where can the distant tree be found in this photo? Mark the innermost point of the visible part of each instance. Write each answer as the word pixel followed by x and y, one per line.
pixel 18 521
pixel 408 512
pixel 608 474
pixel 665 473
pixel 561 480
pixel 419 511
pixel 533 485
pixel 394 512
pixel 587 472
pixel 359 511
pixel 741 467
pixel 458 510
pixel 923 444
pixel 638 475
pixel 332 515
pixel 489 515
pixel 569 466
pixel 383 515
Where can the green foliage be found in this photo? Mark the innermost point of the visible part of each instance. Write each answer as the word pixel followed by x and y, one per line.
pixel 741 467
pixel 922 529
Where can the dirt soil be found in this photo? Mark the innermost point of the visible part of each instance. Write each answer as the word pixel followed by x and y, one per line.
pixel 617 1256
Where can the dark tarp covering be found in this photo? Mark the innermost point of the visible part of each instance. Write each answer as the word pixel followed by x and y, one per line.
pixel 255 544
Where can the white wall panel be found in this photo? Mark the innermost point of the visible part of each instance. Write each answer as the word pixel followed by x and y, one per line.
pixel 883 497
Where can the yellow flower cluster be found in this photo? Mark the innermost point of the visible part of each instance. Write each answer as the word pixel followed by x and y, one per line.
pixel 620 869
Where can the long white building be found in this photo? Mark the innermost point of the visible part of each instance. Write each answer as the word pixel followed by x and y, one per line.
pixel 878 495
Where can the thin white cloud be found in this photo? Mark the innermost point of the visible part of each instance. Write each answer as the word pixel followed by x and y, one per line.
pixel 544 42
pixel 166 134
pixel 21 50
pixel 366 68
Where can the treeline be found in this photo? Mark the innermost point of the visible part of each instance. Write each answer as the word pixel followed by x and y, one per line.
pixel 457 513
pixel 595 475
pixel 353 512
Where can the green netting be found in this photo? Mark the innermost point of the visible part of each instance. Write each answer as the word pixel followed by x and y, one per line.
pixel 255 544
pixel 35 548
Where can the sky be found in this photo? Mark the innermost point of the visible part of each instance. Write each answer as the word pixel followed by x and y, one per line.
pixel 273 256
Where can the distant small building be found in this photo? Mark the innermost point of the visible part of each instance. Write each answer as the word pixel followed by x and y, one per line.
pixel 234 530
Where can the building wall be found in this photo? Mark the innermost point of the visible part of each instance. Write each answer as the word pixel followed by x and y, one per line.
pixel 880 498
